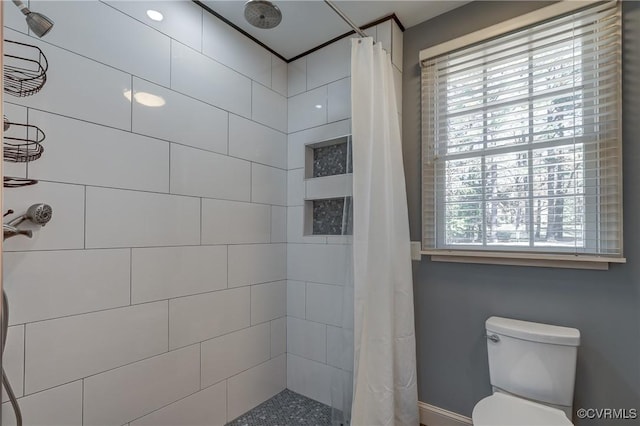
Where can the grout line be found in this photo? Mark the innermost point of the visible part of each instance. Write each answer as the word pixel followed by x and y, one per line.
pixel 251 182
pixel 82 407
pixel 229 133
pixel 26 166
pixel 162 193
pixel 152 247
pixel 326 344
pixel 90 312
pixel 201 215
pixel 271 335
pixel 24 358
pixel 305 300
pixel 131 107
pixel 146 359
pixel 169 158
pixel 202 30
pixel 130 276
pixel 322 125
pixel 227 266
pixel 171 403
pixel 84 223
pixel 271 225
pixel 168 325
pixel 44 390
pixel 163 87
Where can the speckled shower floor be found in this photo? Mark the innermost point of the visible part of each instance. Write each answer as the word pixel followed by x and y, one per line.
pixel 286 409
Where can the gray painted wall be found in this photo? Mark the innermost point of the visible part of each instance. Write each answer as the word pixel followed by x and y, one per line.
pixel 454 300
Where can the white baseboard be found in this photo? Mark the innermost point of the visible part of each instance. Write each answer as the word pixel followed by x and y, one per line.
pixel 430 415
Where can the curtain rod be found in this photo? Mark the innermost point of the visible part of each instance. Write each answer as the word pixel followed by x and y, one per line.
pixel 345 18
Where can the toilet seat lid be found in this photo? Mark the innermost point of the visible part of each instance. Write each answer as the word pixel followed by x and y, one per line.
pixel 506 410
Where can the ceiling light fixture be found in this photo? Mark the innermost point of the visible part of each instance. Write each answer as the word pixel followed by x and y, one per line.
pixel 319 106
pixel 155 15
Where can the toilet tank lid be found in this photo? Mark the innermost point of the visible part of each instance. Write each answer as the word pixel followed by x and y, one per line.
pixel 533 331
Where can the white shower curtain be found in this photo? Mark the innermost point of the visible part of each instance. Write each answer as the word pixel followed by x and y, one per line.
pixel 385 388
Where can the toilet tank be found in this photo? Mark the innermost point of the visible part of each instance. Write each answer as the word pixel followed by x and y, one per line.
pixel 532 360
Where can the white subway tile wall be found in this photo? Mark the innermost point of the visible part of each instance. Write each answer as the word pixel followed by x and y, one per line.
pixel 206 407
pixel 174 284
pixel 122 309
pixel 61 405
pixel 256 385
pixel 12 360
pixel 319 284
pixel 233 353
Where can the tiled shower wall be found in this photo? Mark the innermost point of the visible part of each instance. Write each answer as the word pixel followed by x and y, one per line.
pixel 156 294
pixel 319 294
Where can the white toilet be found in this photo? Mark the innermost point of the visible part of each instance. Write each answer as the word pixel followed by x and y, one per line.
pixel 532 368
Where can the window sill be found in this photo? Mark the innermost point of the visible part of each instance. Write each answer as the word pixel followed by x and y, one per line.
pixel 542 260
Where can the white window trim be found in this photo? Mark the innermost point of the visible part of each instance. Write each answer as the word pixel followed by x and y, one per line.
pixel 531 18
pixel 547 260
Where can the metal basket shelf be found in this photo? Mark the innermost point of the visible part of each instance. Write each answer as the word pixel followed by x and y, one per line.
pixel 25 69
pixel 16 182
pixel 22 142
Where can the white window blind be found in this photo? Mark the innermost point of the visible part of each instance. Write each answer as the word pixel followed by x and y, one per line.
pixel 522 140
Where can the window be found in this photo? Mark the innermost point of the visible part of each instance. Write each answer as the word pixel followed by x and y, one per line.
pixel 522 140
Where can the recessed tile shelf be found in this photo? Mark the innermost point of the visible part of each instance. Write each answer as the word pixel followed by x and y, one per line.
pixel 332 216
pixel 328 188
pixel 328 158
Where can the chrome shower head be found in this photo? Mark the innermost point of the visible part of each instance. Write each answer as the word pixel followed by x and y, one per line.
pixel 37 22
pixel 40 214
pixel 262 14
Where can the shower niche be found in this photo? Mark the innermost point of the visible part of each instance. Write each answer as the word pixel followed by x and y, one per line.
pixel 328 187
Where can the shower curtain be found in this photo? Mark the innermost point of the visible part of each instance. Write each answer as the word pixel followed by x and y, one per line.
pixel 385 388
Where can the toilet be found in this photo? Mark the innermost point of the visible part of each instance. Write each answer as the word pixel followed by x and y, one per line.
pixel 532 368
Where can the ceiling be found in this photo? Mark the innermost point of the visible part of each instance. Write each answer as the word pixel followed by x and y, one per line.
pixel 309 23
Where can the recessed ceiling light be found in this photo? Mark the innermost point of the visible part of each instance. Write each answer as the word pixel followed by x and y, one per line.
pixel 155 15
pixel 319 106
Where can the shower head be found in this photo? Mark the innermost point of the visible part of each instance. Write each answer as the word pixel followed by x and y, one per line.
pixel 40 214
pixel 262 14
pixel 37 22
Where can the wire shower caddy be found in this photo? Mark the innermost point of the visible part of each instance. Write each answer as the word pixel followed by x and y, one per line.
pixel 25 69
pixel 25 73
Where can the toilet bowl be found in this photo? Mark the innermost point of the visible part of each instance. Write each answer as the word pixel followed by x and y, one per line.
pixel 532 370
pixel 505 410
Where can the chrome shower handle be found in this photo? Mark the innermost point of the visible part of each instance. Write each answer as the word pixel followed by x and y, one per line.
pixel 9 231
